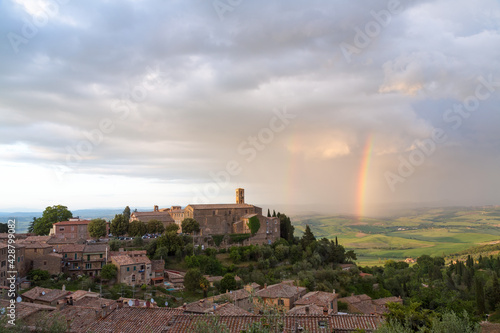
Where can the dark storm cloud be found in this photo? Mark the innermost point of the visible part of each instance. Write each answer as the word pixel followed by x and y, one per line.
pixel 181 90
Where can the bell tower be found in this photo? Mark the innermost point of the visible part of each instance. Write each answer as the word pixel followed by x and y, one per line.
pixel 240 196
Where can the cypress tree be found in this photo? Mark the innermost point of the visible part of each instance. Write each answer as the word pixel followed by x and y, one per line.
pixel 268 213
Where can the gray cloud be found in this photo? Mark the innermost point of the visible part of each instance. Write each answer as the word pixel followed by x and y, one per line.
pixel 218 81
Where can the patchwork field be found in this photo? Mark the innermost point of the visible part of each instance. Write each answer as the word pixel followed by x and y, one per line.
pixel 445 232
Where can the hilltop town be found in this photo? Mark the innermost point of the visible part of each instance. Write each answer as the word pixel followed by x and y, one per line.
pixel 217 267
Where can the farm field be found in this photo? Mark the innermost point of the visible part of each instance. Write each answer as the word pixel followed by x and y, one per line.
pixel 445 232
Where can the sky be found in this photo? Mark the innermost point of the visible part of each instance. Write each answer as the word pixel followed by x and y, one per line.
pixel 343 105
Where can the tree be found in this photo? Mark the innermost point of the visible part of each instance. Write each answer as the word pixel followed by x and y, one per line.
pixel 51 215
pixel 109 271
pixel 286 228
pixel 155 227
pixel 307 238
pixel 268 213
pixel 97 228
pixel 480 301
pixel 137 228
pixel 126 213
pixel 192 279
pixel 228 282
pixel 274 213
pixel 114 245
pixel 173 227
pixel 119 226
pixel 253 224
pixel 190 225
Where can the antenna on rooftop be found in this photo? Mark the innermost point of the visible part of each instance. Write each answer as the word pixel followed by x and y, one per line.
pixel 130 303
pixel 166 303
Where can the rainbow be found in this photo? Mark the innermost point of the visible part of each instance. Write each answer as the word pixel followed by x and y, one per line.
pixel 363 176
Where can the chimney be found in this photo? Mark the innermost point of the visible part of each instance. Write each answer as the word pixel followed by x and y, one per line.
pixel 120 303
pixel 104 311
pixel 265 285
pixel 334 291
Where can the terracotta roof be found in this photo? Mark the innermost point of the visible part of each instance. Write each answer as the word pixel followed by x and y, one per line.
pixel 67 248
pixel 93 302
pixel 309 323
pixel 247 216
pixel 80 319
pixel 45 294
pixel 135 320
pixel 127 260
pixel 366 307
pixel 310 309
pixel 320 298
pixel 72 222
pixel 236 295
pixel 55 240
pixel 35 245
pixel 96 248
pixel 221 206
pixel 355 299
pixel 187 323
pixel 229 309
pixel 76 295
pixel 42 239
pixel 280 290
pixel 25 309
pixel 148 216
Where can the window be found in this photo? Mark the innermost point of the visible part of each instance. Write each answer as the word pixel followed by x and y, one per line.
pixel 281 302
pixel 34 250
pixel 88 266
pixel 65 255
pixel 76 256
pixel 134 268
pixel 322 324
pixel 61 228
pixel 88 257
pixel 45 262
pixel 331 305
pixel 213 213
pixel 72 228
pixel 133 277
pixel 100 256
pixel 142 267
pixel 75 265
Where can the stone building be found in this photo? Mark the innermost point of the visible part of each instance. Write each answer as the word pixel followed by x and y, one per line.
pixel 160 215
pixel 134 267
pixel 72 229
pixel 51 262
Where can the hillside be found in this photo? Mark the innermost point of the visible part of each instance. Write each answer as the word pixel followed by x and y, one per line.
pixel 436 231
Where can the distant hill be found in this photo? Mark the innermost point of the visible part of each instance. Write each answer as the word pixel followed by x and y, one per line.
pixel 412 233
pixel 23 219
